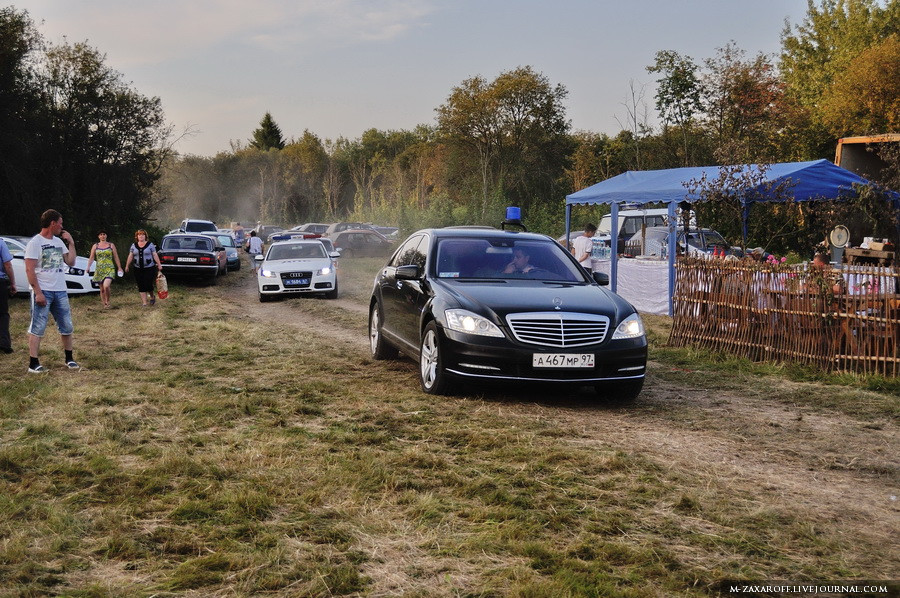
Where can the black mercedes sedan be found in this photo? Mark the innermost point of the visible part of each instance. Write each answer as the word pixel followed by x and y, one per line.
pixel 477 305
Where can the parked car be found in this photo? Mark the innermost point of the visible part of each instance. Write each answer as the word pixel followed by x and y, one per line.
pixel 310 227
pixel 388 231
pixel 226 240
pixel 297 267
pixel 264 230
pixel 700 240
pixel 192 255
pixel 337 227
pixel 362 243
pixel 292 234
pixel 194 225
pixel 78 279
pixel 461 303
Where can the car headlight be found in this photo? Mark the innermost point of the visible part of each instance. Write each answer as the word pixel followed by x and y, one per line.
pixel 462 320
pixel 267 273
pixel 631 327
pixel 324 271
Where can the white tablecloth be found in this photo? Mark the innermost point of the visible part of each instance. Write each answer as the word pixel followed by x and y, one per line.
pixel 643 283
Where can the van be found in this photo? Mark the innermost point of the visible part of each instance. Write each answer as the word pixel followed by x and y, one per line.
pixel 630 222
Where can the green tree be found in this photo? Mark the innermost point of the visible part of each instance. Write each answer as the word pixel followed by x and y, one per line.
pixel 829 38
pixel 21 125
pixel 268 135
pixel 678 93
pixel 865 99
pixel 74 136
pixel 514 128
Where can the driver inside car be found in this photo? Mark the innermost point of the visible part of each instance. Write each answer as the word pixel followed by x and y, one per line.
pixel 519 263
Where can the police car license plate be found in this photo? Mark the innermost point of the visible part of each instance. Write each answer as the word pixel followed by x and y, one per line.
pixel 562 360
pixel 296 282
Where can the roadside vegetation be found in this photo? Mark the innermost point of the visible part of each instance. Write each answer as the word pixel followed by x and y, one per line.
pixel 215 446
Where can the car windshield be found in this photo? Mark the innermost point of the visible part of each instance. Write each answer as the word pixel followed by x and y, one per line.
pixel 199 227
pixel 225 240
pixel 296 251
pixel 476 258
pixel 195 243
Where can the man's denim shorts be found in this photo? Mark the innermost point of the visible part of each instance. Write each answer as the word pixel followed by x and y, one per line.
pixel 58 305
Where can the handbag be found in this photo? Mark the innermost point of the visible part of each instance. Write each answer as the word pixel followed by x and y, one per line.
pixel 162 287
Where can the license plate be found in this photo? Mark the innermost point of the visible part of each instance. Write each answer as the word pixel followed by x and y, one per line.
pixel 187 259
pixel 562 360
pixel 296 282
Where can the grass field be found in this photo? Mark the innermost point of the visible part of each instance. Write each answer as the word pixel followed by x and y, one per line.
pixel 214 446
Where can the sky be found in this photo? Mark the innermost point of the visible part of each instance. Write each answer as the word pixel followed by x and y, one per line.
pixel 340 67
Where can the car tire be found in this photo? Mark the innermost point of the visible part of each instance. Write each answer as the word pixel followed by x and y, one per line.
pixel 381 349
pixel 264 298
pixel 620 393
pixel 333 293
pixel 432 375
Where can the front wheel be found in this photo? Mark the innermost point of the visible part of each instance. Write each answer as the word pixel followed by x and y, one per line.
pixel 333 293
pixel 432 374
pixel 263 298
pixel 380 347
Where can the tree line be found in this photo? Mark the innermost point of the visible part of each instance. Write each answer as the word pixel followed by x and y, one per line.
pixel 82 137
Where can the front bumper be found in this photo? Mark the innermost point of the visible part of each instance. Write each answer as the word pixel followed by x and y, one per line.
pixel 275 286
pixel 473 357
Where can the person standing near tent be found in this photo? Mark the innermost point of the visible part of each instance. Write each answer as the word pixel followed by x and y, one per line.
pixel 584 246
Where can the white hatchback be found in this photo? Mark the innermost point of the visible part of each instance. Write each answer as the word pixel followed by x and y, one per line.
pixel 297 267
pixel 78 281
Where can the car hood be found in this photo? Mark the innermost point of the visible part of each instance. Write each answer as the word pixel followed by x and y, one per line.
pixel 515 296
pixel 290 265
pixel 81 263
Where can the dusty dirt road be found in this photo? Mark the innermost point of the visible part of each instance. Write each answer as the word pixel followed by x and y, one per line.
pixel 825 466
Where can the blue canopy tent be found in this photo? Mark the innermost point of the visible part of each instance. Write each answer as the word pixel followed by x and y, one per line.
pixel 816 180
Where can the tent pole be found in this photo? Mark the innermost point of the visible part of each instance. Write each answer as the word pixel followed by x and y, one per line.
pixel 745 216
pixel 673 225
pixel 614 245
pixel 568 225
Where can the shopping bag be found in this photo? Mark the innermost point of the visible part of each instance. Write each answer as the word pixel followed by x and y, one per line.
pixel 162 287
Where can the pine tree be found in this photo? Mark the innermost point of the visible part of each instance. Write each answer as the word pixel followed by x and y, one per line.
pixel 268 135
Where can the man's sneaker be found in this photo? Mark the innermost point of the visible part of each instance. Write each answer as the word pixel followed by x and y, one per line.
pixel 73 365
pixel 38 369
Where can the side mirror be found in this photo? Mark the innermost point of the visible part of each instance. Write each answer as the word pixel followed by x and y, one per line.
pixel 259 257
pixel 410 272
pixel 601 278
pixel 334 254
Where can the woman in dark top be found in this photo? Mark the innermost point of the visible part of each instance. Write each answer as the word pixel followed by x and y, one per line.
pixel 146 266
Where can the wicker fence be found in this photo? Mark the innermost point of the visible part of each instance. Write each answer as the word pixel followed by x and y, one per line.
pixel 846 319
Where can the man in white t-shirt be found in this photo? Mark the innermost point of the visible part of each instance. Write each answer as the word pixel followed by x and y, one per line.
pixel 48 256
pixel 584 246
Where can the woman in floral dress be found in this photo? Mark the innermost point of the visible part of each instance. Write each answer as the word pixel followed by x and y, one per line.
pixel 108 264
